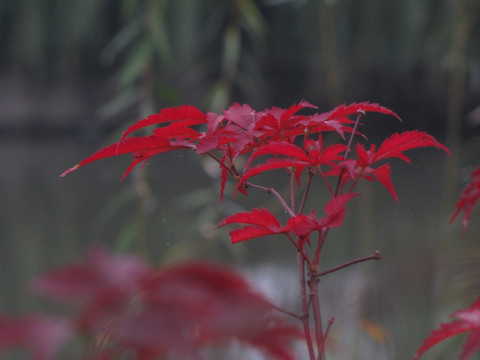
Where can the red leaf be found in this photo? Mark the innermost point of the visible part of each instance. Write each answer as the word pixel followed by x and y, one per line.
pixel 468 199
pixel 468 320
pixel 42 336
pixel 151 144
pixel 242 115
pixel 444 332
pixel 398 143
pixel 354 108
pixel 280 148
pixel 382 173
pixel 249 232
pixel 258 217
pixel 471 346
pixel 311 156
pixel 152 313
pixel 100 274
pixel 184 112
pixel 264 223
pixel 197 304
pixel 335 210
pixel 276 123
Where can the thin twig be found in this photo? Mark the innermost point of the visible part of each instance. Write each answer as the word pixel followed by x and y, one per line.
pixel 360 114
pixel 292 188
pixel 286 312
pixel 321 240
pixel 232 171
pixel 376 255
pixel 270 190
pixel 327 331
pixel 322 175
pixel 305 194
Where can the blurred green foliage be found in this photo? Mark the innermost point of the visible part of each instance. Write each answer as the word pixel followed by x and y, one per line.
pixel 261 52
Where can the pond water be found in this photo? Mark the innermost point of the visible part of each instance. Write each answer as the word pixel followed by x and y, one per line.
pixel 383 308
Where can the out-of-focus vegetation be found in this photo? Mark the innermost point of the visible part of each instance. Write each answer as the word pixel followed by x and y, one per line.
pixel 262 52
pixel 127 58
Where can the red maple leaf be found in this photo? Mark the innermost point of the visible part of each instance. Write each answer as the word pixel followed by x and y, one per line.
pixel 187 115
pixel 151 312
pixel 468 199
pixel 281 124
pixel 393 147
pixel 335 210
pixel 468 321
pixel 42 336
pixel 354 108
pixel 262 223
pixel 312 156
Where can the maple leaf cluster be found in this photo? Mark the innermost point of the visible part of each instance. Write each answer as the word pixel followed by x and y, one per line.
pixel 290 141
pixel 128 307
pixel 274 139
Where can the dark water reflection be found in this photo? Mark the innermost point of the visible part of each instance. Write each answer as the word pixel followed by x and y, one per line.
pixel 46 221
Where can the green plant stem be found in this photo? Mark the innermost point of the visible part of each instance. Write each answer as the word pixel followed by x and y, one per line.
pixel 305 306
pixel 376 255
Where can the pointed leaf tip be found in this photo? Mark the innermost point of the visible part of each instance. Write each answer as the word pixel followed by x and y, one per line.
pixel 70 170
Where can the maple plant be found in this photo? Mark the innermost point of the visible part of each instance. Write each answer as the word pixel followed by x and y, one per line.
pixel 133 307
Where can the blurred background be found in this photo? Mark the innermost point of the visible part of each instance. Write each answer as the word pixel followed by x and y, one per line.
pixel 74 74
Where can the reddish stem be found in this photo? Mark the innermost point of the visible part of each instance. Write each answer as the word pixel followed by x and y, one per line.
pixel 322 175
pixel 327 331
pixel 376 255
pixel 305 306
pixel 321 240
pixel 230 170
pixel 292 188
pixel 313 287
pixel 305 194
pixel 360 114
pixel 270 190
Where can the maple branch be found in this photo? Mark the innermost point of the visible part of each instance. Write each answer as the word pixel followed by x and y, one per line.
pixel 320 172
pixel 360 114
pixel 305 194
pixel 230 170
pixel 313 286
pixel 376 255
pixel 270 190
pixel 327 331
pixel 305 306
pixel 292 188
pixel 286 312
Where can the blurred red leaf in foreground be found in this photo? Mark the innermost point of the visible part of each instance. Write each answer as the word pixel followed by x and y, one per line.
pixel 149 312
